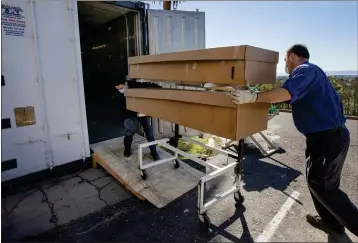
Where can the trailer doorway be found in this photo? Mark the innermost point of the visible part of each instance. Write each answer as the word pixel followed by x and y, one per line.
pixel 108 35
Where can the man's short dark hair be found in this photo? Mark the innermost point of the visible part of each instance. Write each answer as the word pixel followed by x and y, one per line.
pixel 299 50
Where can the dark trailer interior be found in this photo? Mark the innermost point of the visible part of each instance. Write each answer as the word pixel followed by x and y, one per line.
pixel 109 33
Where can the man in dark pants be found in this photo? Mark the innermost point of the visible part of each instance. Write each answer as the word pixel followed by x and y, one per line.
pixel 133 120
pixel 318 114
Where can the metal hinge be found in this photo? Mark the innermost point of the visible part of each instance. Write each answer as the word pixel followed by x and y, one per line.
pixel 83 154
pixel 69 8
pixel 69 134
pixel 31 141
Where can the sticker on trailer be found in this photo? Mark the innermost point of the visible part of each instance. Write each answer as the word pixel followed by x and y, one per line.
pixel 13 20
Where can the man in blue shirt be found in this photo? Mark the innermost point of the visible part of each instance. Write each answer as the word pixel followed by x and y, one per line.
pixel 318 114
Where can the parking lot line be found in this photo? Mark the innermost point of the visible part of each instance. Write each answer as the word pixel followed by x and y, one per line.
pixel 275 222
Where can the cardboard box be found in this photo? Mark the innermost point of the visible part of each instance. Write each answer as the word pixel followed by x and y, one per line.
pixel 224 65
pixel 209 112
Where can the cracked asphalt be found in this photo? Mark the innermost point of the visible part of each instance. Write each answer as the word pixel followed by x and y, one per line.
pixel 268 182
pixel 50 204
pixel 57 202
pixel 98 188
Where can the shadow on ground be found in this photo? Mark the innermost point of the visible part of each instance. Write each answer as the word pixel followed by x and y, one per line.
pixel 342 238
pixel 259 174
pixel 333 237
pixel 220 230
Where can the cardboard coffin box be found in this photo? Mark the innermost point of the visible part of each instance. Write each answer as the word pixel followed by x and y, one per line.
pixel 224 65
pixel 209 112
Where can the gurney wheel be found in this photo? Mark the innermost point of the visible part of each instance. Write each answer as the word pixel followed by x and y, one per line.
pixel 143 174
pixel 204 219
pixel 176 164
pixel 238 197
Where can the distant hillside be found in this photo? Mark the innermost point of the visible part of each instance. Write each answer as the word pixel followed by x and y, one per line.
pixel 333 73
pixel 343 73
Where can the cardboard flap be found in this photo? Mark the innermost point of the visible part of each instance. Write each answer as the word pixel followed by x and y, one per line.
pixel 221 99
pixel 243 52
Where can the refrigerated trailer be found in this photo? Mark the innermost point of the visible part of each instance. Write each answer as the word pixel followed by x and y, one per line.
pixel 60 63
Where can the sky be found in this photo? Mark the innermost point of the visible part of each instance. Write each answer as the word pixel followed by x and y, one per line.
pixel 329 29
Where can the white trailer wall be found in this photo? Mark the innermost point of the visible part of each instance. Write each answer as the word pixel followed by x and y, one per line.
pixel 41 64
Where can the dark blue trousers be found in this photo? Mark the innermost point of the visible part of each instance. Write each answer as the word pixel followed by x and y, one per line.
pixel 131 126
pixel 326 153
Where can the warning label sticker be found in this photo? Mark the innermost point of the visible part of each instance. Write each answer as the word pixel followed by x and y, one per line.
pixel 13 21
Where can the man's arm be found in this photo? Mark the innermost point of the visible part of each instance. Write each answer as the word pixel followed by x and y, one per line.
pixel 274 96
pixel 137 85
pixel 295 88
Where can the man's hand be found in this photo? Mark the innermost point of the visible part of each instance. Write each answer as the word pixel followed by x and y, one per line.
pixel 243 96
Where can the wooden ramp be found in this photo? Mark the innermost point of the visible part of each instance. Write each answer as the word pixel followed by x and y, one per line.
pixel 164 183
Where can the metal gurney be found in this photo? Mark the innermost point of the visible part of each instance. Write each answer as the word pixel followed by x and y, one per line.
pixel 172 145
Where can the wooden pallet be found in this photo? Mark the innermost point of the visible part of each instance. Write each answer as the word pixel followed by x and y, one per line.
pixel 164 184
pixel 96 158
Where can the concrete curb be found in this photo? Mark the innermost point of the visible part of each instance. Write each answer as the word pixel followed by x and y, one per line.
pixel 348 117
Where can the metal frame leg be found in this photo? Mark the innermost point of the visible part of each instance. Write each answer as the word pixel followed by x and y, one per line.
pixel 174 141
pixel 271 147
pixel 143 167
pixel 172 144
pixel 239 198
pixel 236 190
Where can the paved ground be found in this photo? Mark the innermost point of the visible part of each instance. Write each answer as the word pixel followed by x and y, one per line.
pixel 268 184
pixel 58 202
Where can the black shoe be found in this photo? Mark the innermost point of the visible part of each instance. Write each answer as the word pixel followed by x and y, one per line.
pixel 127 152
pixel 319 223
pixel 155 156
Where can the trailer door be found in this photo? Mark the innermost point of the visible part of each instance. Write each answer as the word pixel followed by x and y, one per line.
pixel 61 67
pixel 172 31
pixel 25 144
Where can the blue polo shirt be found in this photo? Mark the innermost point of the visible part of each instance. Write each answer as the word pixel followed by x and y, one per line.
pixel 316 105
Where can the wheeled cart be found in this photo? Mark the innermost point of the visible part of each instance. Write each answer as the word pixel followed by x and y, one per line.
pixel 233 66
pixel 172 145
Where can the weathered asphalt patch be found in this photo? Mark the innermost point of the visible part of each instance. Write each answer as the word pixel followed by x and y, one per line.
pixel 58 202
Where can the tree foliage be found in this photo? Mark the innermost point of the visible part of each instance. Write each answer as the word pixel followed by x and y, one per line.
pixel 346 87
